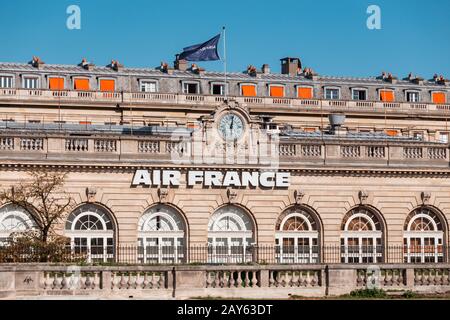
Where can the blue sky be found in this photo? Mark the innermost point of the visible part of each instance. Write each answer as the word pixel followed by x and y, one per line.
pixel 329 36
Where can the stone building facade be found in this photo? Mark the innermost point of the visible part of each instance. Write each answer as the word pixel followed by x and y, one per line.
pixel 165 160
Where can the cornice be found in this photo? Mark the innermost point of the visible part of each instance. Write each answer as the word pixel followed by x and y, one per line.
pixel 295 171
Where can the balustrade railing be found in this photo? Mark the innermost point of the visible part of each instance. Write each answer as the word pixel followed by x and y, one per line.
pixel 31 144
pixel 149 146
pixel 105 145
pixel 178 98
pixel 6 143
pixel 77 144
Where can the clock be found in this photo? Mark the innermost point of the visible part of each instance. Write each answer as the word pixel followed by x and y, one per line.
pixel 231 127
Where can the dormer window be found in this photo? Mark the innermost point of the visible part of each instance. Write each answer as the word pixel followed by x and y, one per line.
pixel 359 94
pixel 438 97
pixel 332 93
pixel 56 83
pixel 107 85
pixel 304 92
pixel 412 96
pixel 276 91
pixel 81 84
pixel 248 90
pixel 148 86
pixel 387 95
pixel 6 81
pixel 31 83
pixel 218 89
pixel 191 88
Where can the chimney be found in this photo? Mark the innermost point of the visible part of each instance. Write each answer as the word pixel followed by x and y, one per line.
pixel 115 65
pixel 337 120
pixel 86 65
pixel 37 62
pixel 265 69
pixel 291 66
pixel 180 65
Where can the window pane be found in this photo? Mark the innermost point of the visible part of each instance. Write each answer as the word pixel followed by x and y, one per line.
pixel 190 88
pixel 148 86
pixel 332 94
pixel 5 82
pixel 218 89
pixel 30 83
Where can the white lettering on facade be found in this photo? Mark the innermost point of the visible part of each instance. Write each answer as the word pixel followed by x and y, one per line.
pixel 268 179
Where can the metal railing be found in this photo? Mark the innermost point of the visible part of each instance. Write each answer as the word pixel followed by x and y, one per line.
pixel 206 254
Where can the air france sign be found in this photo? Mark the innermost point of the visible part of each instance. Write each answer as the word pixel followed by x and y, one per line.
pixel 266 179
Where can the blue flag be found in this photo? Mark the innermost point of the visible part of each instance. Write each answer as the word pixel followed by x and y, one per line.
pixel 202 52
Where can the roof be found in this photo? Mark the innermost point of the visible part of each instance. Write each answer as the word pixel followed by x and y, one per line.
pixel 155 72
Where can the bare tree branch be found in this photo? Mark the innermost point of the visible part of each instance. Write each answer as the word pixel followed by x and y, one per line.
pixel 43 197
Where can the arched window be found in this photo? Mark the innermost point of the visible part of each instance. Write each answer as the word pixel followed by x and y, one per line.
pixel 14 219
pixel 361 237
pixel 91 231
pixel 423 237
pixel 161 236
pixel 230 235
pixel 297 237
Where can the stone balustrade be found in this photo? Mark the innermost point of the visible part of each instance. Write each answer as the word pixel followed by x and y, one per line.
pixel 114 148
pixel 234 281
pixel 136 98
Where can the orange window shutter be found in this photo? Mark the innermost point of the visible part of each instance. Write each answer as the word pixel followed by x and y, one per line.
pixel 107 85
pixel 387 95
pixel 81 84
pixel 392 133
pixel 438 97
pixel 304 93
pixel 56 83
pixel 249 91
pixel 277 91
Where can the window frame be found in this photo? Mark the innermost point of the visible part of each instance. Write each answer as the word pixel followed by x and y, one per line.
pixel 366 90
pixel 197 83
pixel 411 91
pixel 269 87
pixel 214 83
pixel 443 133
pixel 380 90
pixel 99 79
pixel 13 80
pixel 155 81
pixel 298 86
pixel 73 78
pixel 331 88
pixel 31 76
pixel 241 85
pixel 432 93
pixel 57 77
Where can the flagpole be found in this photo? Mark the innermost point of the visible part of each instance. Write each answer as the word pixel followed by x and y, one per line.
pixel 225 61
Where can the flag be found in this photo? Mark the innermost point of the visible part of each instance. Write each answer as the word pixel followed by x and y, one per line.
pixel 202 52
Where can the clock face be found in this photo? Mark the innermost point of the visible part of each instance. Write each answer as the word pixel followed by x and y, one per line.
pixel 231 127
